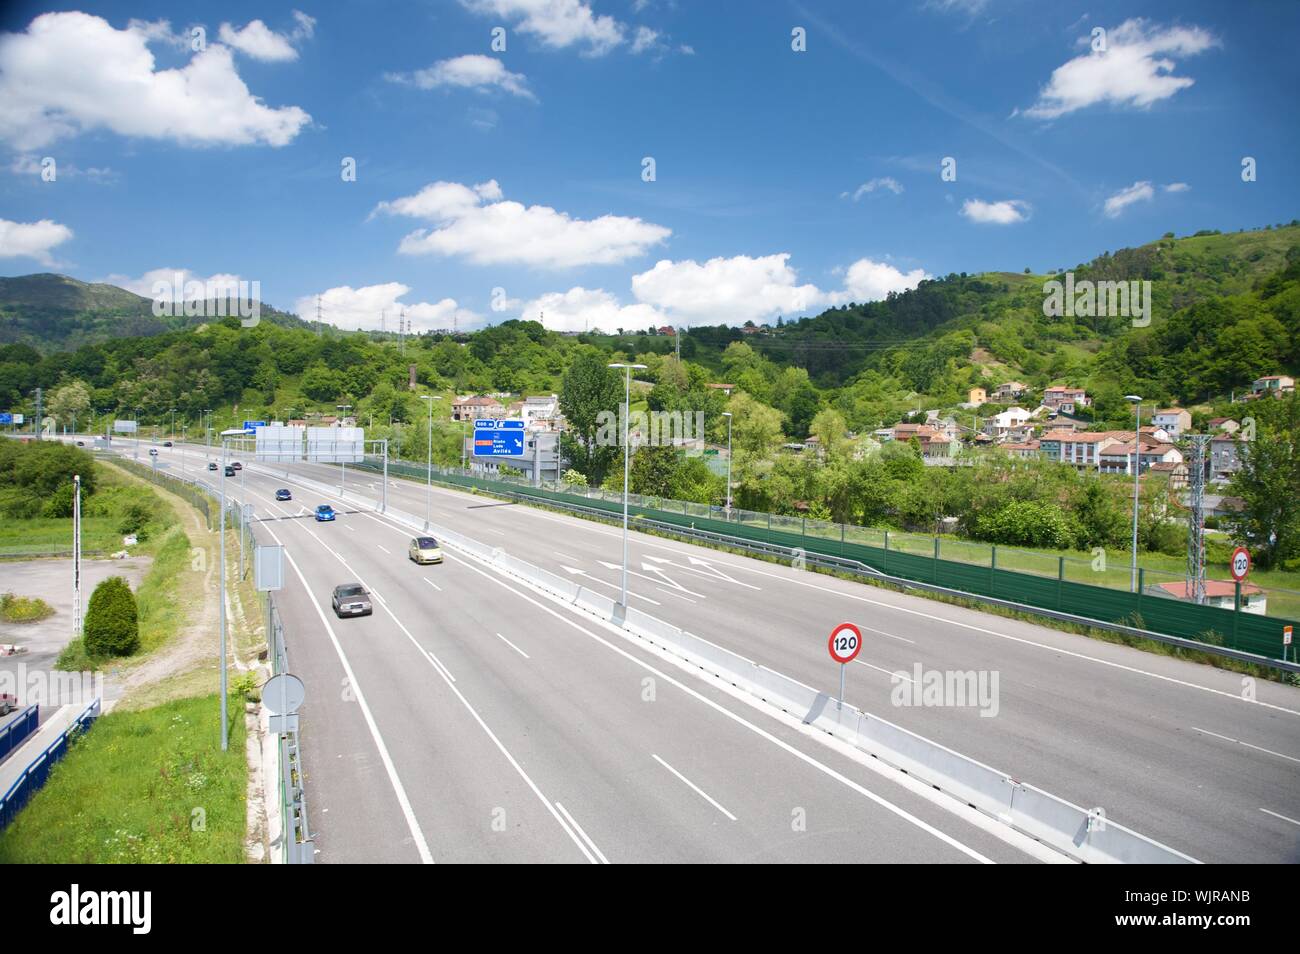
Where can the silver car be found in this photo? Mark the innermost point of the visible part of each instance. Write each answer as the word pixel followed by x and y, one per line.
pixel 351 599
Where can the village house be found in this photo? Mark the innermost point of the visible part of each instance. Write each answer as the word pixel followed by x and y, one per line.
pixel 1219 593
pixel 1010 391
pixel 1174 420
pixel 1225 424
pixel 1021 448
pixel 1273 385
pixel 1176 471
pixel 976 396
pixel 1065 399
pixel 999 424
pixel 1225 458
pixel 933 444
pixel 471 407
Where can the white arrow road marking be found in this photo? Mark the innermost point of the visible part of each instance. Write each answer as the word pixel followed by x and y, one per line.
pixel 574 571
pixel 661 578
pixel 715 575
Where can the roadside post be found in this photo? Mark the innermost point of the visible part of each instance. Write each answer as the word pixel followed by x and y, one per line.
pixel 1286 641
pixel 844 645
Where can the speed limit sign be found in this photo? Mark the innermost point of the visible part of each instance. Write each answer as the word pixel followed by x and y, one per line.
pixel 1240 563
pixel 845 643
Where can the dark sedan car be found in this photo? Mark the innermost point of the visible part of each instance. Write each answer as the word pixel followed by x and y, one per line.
pixel 283 494
pixel 351 599
pixel 212 465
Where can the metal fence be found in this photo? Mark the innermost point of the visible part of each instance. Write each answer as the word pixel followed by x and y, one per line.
pixel 1033 579
pixel 35 775
pixel 19 728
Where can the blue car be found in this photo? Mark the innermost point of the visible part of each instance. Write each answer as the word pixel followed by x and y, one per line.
pixel 283 494
pixel 324 512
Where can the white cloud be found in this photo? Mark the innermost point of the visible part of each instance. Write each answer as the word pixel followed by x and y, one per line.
pixel 1006 212
pixel 1121 200
pixel 477 224
pixel 182 284
pixel 1176 187
pixel 350 308
pixel 874 185
pixel 557 23
pixel 727 290
pixel 1135 69
pixel 32 239
pixel 116 86
pixel 866 280
pixel 589 309
pixel 473 71
pixel 258 41
pixel 644 39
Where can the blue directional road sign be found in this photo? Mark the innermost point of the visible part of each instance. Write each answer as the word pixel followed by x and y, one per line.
pixel 494 438
pixel 6 418
pixel 252 426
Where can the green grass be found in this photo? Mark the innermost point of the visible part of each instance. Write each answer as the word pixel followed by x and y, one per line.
pixel 23 609
pixel 143 787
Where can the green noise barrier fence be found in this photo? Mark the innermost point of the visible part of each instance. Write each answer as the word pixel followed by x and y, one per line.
pixel 1215 626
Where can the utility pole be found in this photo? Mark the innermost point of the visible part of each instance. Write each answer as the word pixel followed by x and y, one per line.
pixel 39 412
pixel 1195 589
pixel 318 320
pixel 627 461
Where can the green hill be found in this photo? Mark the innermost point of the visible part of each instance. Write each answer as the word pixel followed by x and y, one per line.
pixel 54 312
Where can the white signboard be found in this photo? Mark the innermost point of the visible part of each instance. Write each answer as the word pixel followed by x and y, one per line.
pixel 336 445
pixel 279 443
pixel 124 427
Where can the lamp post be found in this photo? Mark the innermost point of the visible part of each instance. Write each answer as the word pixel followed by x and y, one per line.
pixel 727 509
pixel 1137 467
pixel 343 485
pixel 627 459
pixel 428 492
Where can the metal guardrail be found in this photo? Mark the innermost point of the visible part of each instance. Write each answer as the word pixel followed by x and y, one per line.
pixel 36 773
pixel 19 728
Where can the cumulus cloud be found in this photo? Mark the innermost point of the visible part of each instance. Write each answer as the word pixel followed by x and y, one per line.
pixel 1121 200
pixel 557 23
pixel 589 309
pixel 478 224
pixel 644 39
pixel 258 41
pixel 1176 187
pixel 888 183
pixel 348 307
pixel 866 280
pixel 1006 212
pixel 32 239
pixel 116 86
pixel 473 71
pixel 178 285
pixel 1135 69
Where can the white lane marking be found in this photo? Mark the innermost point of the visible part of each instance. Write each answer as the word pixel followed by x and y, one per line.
pixel 512 645
pixel 384 548
pixel 881 632
pixel 433 584
pixel 1283 817
pixel 585 837
pixel 493 530
pixel 715 575
pixel 576 524
pixel 574 571
pixel 421 845
pixel 1248 745
pixel 657 580
pixel 693 787
pixel 565 556
pixel 678 595
pixel 888 672
pixel 349 527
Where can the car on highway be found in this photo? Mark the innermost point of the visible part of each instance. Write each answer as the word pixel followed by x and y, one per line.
pixel 425 550
pixel 324 512
pixel 167 443
pixel 212 465
pixel 283 494
pixel 81 443
pixel 351 599
pixel 229 471
pixel 153 452
pixel 237 465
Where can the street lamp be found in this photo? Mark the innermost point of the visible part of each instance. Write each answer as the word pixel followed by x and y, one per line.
pixel 343 486
pixel 1137 467
pixel 428 493
pixel 727 415
pixel 627 459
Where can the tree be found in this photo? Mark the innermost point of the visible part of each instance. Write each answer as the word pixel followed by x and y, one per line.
pixel 1269 484
pixel 112 625
pixel 590 390
pixel 69 401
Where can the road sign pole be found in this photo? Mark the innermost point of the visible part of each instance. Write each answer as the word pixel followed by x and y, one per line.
pixel 844 645
pixel 841 702
pixel 221 602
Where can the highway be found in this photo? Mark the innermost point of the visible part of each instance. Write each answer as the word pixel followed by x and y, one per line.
pixel 1177 751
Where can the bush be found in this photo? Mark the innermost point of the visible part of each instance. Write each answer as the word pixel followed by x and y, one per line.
pixel 59 504
pixel 134 518
pixel 23 609
pixel 1027 523
pixel 112 626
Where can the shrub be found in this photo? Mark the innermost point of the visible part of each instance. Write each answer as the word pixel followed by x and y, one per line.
pixel 112 626
pixel 23 609
pixel 134 518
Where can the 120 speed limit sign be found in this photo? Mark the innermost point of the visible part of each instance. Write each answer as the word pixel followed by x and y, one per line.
pixel 845 643
pixel 1240 563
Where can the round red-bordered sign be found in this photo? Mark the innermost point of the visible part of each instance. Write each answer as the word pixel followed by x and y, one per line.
pixel 1239 565
pixel 845 643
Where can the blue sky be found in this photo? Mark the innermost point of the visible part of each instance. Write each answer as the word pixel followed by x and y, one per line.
pixel 493 183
